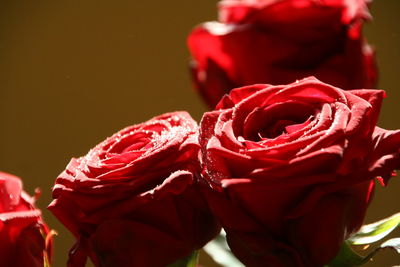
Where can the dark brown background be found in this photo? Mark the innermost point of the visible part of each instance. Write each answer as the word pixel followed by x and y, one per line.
pixel 74 72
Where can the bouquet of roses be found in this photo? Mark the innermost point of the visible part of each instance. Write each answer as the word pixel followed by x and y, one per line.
pixel 285 162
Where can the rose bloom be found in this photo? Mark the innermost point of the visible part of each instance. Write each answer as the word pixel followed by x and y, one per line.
pixel 291 168
pixel 279 41
pixel 24 237
pixel 133 199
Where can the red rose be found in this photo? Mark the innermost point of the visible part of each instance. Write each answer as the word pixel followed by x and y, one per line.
pixel 23 233
pixel 292 168
pixel 279 41
pixel 133 200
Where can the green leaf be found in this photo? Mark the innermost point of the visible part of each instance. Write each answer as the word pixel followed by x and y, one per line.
pixel 219 251
pixel 393 243
pixel 373 232
pixel 189 261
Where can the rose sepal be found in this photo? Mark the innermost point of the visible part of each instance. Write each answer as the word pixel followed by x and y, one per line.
pixel 374 232
pixel 368 234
